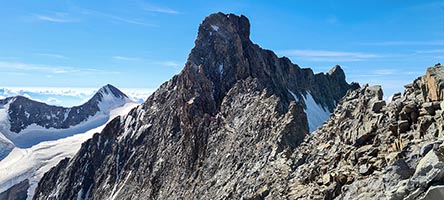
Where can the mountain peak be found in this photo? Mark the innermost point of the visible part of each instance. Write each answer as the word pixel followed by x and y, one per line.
pixel 109 89
pixel 226 25
pixel 336 70
pixel 23 111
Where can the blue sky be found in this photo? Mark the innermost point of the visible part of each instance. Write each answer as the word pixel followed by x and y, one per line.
pixel 142 43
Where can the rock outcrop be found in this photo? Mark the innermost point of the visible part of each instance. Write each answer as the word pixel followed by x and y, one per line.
pixel 224 128
pixel 393 152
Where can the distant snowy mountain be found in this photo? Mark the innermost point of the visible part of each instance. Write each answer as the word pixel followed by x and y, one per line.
pixel 67 97
pixel 35 136
pixel 25 122
pixel 24 167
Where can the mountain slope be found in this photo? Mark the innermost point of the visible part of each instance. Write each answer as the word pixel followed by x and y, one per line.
pixel 26 122
pixel 223 128
pixel 31 163
pixel 48 140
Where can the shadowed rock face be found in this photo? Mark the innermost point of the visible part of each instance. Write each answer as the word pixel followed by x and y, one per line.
pixel 223 128
pixel 16 192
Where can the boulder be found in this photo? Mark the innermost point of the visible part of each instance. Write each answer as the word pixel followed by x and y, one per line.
pixel 435 193
pixel 428 106
pixel 378 105
pixel 403 126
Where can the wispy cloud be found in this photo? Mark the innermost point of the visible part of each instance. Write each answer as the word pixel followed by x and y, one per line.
pixel 328 56
pixel 405 43
pixel 58 56
pixel 125 20
pixel 114 18
pixel 124 58
pixel 55 18
pixel 168 63
pixel 157 9
pixel 431 51
pixel 23 67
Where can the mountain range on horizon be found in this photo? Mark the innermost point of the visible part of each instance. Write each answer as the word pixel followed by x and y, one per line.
pixel 67 97
pixel 238 122
pixel 37 136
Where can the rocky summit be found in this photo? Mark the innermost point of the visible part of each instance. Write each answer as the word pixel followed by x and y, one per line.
pixel 226 127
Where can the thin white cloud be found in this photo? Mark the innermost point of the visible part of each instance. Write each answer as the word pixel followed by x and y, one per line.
pixel 53 100
pixel 328 56
pixel 58 56
pixel 168 63
pixel 431 51
pixel 125 20
pixel 59 18
pixel 157 9
pixel 19 66
pixel 124 58
pixel 385 72
pixel 114 18
pixel 405 43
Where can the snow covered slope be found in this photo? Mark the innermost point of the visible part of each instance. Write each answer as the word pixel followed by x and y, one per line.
pixel 316 114
pixel 31 163
pixel 6 145
pixel 25 122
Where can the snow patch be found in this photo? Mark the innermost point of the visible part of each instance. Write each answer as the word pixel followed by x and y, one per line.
pixel 316 114
pixel 221 70
pixel 215 28
pixel 296 98
pixel 191 101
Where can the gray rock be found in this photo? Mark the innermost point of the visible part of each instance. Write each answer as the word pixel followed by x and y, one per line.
pixel 404 126
pixel 16 192
pixel 428 106
pixel 435 192
pixel 425 149
pixel 378 105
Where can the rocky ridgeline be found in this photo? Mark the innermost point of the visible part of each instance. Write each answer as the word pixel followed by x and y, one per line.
pixel 370 150
pixel 224 128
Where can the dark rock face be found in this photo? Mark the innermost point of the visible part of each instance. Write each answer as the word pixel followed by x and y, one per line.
pixel 224 128
pixel 24 112
pixel 16 192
